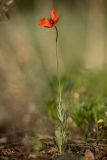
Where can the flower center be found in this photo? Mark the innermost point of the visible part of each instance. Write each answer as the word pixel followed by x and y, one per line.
pixel 51 21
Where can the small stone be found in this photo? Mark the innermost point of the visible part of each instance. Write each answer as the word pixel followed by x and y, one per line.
pixel 88 155
pixel 33 156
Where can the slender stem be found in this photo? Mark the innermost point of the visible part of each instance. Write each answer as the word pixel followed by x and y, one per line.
pixel 58 69
pixel 60 112
pixel 57 52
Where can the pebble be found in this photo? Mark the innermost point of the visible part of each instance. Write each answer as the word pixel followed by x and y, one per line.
pixel 88 155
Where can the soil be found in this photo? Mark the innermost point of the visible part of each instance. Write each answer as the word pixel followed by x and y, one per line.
pixel 74 150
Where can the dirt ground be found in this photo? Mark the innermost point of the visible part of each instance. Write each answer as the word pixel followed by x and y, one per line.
pixel 74 150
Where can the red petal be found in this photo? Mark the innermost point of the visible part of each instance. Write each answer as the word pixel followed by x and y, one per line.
pixel 54 16
pixel 45 23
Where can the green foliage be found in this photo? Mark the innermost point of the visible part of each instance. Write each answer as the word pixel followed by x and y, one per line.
pixel 36 143
pixel 86 114
pixel 83 115
pixel 84 98
pixel 61 127
pixel 57 110
pixel 60 135
pixel 51 101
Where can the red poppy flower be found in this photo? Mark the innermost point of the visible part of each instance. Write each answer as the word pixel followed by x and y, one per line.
pixel 49 23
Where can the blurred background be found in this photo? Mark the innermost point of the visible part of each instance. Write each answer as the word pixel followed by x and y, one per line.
pixel 28 62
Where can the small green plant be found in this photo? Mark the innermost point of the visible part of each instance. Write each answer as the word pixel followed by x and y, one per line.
pixel 87 113
pixel 58 110
pixel 61 128
pixel 36 143
pixel 83 115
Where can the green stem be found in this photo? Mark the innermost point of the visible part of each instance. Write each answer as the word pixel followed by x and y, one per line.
pixel 58 69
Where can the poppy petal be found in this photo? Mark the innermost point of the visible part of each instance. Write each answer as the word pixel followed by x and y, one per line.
pixel 43 22
pixel 54 16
